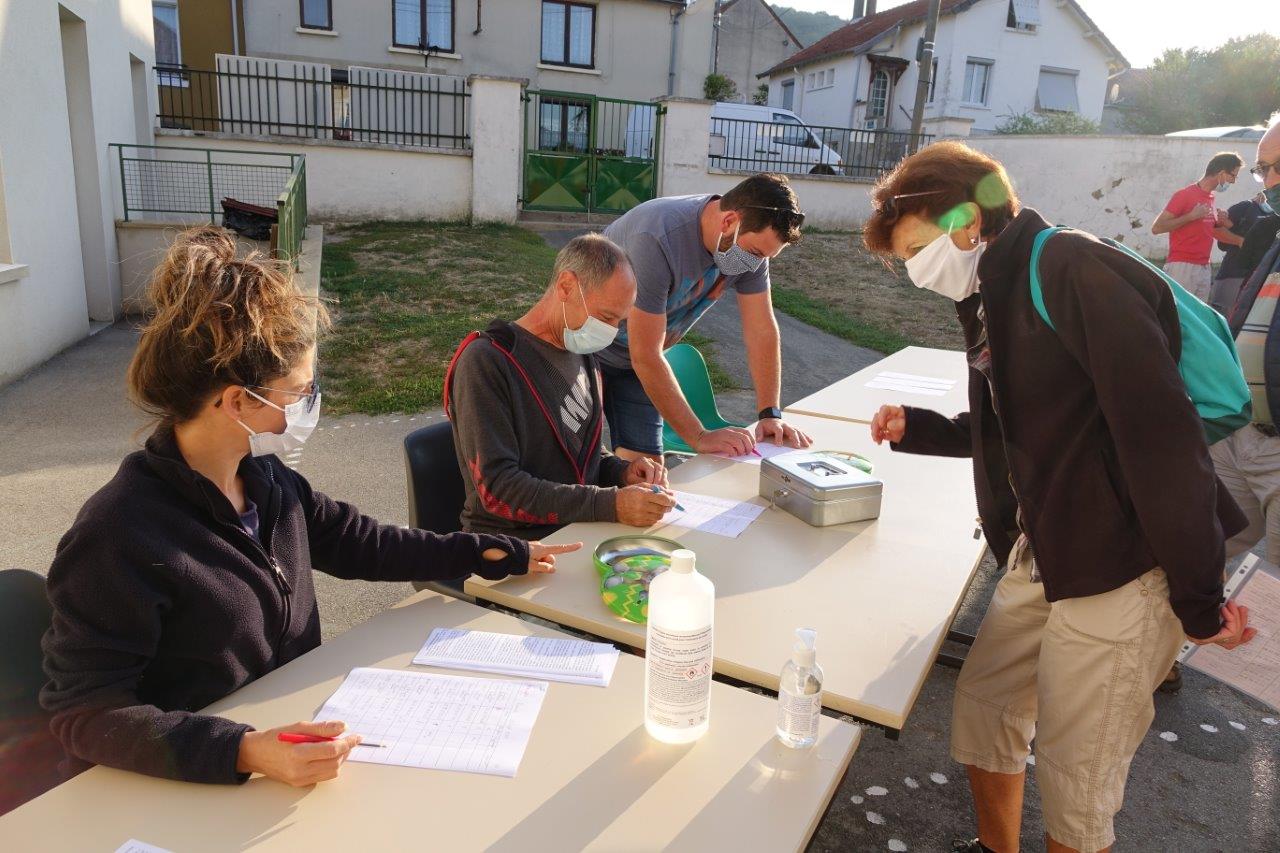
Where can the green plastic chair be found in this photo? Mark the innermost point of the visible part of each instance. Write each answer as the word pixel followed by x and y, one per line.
pixel 695 382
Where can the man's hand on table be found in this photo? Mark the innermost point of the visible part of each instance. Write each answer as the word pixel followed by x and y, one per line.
pixel 778 432
pixel 729 441
pixel 646 470
pixel 640 506
pixel 1235 628
pixel 889 423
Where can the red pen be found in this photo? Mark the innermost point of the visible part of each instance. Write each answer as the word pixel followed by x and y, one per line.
pixel 756 452
pixel 294 737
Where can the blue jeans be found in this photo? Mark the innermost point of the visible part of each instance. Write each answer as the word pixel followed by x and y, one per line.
pixel 634 422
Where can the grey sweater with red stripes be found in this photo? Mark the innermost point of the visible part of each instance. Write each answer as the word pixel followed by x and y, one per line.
pixel 525 473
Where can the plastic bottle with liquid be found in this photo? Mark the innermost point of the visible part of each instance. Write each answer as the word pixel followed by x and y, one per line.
pixel 678 656
pixel 800 693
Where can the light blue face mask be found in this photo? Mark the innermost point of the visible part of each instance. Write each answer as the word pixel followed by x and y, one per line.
pixel 736 260
pixel 1273 197
pixel 592 336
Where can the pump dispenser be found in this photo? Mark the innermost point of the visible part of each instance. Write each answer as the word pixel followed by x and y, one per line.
pixel 800 693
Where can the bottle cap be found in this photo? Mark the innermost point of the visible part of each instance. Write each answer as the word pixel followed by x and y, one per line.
pixel 805 652
pixel 682 561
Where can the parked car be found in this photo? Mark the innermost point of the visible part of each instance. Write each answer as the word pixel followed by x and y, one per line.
pixel 1250 133
pixel 770 139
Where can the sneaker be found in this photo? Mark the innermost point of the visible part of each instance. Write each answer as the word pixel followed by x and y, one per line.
pixel 972 845
pixel 1173 681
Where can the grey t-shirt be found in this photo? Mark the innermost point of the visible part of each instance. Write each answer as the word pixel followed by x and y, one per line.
pixel 675 273
pixel 570 383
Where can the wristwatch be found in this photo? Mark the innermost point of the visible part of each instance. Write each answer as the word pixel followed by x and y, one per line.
pixel 771 412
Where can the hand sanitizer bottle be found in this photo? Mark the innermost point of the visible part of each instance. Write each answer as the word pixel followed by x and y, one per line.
pixel 800 693
pixel 678 656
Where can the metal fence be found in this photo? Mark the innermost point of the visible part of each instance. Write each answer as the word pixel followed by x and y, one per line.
pixel 798 149
pixel 365 105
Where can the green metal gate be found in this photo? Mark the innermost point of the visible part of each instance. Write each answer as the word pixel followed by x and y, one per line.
pixel 585 153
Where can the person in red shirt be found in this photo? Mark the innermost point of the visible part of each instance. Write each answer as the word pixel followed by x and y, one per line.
pixel 1193 223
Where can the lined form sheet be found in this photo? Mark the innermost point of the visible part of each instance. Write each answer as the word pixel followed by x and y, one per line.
pixel 554 658
pixel 712 515
pixel 437 722
pixel 910 383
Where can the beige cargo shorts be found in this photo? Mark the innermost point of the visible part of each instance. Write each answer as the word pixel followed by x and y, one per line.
pixel 1075 675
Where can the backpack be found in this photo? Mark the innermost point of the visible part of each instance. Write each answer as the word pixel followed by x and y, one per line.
pixel 1209 364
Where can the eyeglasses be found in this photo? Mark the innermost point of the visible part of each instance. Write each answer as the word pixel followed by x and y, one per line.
pixel 794 217
pixel 890 206
pixel 311 395
pixel 1259 171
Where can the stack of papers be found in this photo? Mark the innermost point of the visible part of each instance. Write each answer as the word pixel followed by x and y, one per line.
pixel 551 658
pixel 1253 668
pixel 437 722
pixel 909 383
pixel 712 515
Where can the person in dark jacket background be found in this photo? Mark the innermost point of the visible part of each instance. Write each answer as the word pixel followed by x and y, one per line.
pixel 1094 488
pixel 188 575
pixel 1236 264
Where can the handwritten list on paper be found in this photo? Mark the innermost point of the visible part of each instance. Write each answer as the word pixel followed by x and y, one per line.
pixel 437 722
pixel 1253 668
pixel 712 515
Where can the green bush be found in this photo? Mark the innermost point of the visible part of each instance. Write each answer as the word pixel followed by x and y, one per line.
pixel 1049 124
pixel 718 87
pixel 761 97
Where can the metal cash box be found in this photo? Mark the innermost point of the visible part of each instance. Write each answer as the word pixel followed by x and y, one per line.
pixel 821 487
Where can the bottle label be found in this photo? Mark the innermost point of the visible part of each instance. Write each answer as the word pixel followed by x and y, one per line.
pixel 798 714
pixel 679 665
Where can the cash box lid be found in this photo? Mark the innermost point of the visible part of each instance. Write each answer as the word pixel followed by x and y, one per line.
pixel 821 475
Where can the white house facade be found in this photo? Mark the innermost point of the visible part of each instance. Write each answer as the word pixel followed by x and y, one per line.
pixel 993 59
pixel 78 78
pixel 634 49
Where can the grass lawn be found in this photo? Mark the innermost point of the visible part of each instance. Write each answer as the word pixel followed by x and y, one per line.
pixel 405 295
pixel 830 281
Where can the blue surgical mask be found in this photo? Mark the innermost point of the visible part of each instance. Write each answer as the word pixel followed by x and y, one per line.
pixel 736 260
pixel 592 336
pixel 1222 187
pixel 1273 196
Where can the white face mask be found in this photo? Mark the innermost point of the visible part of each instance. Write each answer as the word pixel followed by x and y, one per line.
pixel 1222 187
pixel 592 336
pixel 298 424
pixel 736 260
pixel 945 268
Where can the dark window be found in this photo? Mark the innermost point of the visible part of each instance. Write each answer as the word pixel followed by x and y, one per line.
pixel 564 125
pixel 316 14
pixel 164 16
pixel 424 24
pixel 568 34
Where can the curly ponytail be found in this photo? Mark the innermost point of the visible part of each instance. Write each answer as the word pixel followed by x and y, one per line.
pixel 218 321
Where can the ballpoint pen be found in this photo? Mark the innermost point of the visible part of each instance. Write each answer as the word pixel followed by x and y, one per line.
pixel 658 491
pixel 294 737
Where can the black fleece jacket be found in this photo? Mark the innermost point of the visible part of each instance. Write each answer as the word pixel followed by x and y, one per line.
pixel 1087 429
pixel 162 603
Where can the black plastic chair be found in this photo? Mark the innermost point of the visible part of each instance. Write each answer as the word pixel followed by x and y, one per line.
pixel 436 490
pixel 30 756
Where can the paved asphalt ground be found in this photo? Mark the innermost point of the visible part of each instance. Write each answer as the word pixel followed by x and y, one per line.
pixel 65 426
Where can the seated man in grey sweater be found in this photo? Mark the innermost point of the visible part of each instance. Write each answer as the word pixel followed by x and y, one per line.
pixel 527 408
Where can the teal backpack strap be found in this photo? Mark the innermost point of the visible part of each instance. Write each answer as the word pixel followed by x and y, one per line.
pixel 1037 294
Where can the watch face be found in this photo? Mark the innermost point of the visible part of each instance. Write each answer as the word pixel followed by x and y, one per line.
pixel 769 413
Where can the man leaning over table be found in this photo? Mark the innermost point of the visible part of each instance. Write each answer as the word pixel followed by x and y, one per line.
pixel 527 408
pixel 687 252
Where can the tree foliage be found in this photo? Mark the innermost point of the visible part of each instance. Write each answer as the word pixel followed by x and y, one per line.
pixel 718 87
pixel 761 97
pixel 1237 83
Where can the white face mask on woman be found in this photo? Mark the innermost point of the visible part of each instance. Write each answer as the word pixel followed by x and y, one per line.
pixel 299 421
pixel 945 268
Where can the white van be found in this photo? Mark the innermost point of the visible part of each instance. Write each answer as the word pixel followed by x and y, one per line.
pixel 747 136
pixel 770 139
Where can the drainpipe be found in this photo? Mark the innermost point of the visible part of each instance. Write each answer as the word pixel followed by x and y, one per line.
pixel 675 44
pixel 235 27
pixel 476 31
pixel 716 18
